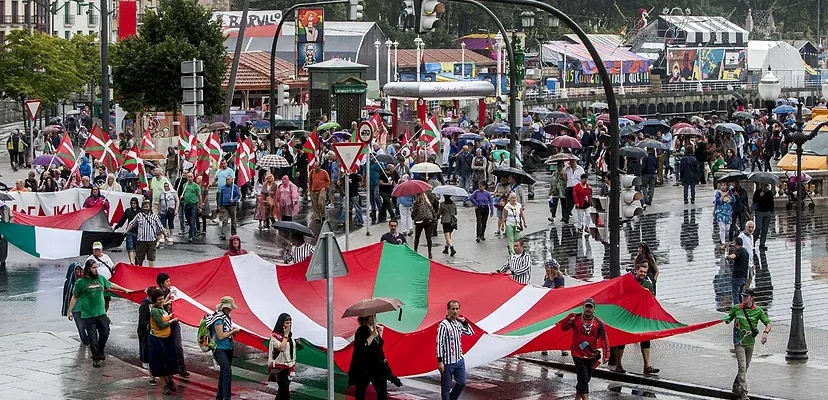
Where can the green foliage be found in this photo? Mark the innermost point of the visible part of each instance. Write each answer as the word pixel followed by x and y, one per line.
pixel 39 66
pixel 147 68
pixel 88 58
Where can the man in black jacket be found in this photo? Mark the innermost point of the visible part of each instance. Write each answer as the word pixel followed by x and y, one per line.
pixel 741 210
pixel 689 171
pixel 648 176
pixel 763 200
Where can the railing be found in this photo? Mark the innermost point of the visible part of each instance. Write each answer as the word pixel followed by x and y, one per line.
pixel 17 20
pixel 69 19
pixel 93 19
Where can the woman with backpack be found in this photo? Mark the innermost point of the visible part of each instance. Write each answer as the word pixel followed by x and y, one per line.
pixel 281 356
pixel 422 213
pixel 222 331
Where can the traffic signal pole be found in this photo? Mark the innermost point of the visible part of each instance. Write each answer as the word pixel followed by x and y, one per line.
pixel 510 54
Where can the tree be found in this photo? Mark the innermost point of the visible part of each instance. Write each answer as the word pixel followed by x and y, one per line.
pixel 88 59
pixel 38 66
pixel 146 67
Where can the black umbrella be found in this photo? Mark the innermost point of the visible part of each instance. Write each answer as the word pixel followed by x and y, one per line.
pixel 386 159
pixel 764 178
pixel 285 125
pixel 383 112
pixel 651 144
pixel 291 227
pixel 632 152
pixel 535 144
pixel 520 175
pixel 733 177
pixel 629 130
pixel 555 115
pixel 651 126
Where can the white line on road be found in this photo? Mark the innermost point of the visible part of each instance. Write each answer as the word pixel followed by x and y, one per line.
pixel 24 294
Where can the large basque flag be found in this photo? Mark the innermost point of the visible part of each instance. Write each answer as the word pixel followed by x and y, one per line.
pixel 55 244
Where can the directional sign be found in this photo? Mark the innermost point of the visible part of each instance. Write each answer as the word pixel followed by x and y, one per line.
pixel 347 153
pixel 366 131
pixel 327 252
pixel 33 106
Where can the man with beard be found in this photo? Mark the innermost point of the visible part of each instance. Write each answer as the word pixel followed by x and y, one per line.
pixel 588 330
pixel 89 290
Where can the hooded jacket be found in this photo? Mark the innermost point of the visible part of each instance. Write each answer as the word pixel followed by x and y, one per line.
pixel 85 169
pixel 231 251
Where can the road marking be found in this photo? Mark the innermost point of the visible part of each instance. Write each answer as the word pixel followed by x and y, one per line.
pixel 24 294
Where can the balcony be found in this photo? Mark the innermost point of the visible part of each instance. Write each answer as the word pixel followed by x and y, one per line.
pixel 92 19
pixel 20 20
pixel 69 19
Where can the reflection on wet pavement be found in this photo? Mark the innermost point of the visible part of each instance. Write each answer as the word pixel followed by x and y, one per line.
pixel 693 268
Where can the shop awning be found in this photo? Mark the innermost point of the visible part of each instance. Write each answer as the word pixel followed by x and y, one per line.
pixel 612 56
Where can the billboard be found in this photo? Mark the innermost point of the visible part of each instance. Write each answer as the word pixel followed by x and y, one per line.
pixel 232 19
pixel 707 64
pixel 310 39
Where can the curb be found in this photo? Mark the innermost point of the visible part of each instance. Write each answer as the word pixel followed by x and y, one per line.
pixel 676 386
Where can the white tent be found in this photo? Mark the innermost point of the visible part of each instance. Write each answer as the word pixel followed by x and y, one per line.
pixel 783 59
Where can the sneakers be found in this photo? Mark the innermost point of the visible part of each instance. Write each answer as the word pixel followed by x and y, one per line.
pixel 651 371
pixel 96 364
pixel 170 241
pixel 329 207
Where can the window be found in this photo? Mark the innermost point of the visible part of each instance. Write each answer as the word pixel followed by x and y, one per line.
pixel 66 35
pixel 80 7
pixel 2 10
pixel 15 11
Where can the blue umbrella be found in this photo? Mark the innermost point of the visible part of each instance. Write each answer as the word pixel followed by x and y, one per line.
pixel 500 142
pixel 784 109
pixel 229 146
pixel 622 122
pixel 470 136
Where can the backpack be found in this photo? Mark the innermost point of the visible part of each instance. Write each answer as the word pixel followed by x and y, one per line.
pixel 204 337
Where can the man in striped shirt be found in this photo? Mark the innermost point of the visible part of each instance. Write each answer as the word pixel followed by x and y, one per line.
pixel 450 361
pixel 149 227
pixel 519 265
pixel 298 250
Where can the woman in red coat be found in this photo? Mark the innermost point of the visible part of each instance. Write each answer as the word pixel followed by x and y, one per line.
pixel 581 193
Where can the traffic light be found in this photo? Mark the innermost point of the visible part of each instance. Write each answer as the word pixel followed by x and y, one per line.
pixel 284 94
pixel 599 215
pixel 428 19
pixel 407 15
pixel 502 107
pixel 355 10
pixel 630 197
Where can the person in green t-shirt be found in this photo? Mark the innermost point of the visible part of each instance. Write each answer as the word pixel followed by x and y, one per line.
pixel 89 295
pixel 745 329
pixel 641 276
pixel 191 197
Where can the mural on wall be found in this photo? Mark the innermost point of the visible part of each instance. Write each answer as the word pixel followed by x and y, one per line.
pixel 310 38
pixel 686 65
pixel 735 64
pixel 682 64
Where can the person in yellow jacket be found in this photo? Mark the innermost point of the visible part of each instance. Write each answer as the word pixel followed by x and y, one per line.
pixel 163 358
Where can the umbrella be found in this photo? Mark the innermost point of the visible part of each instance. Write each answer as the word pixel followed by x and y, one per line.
pixel 574 118
pixel 470 136
pixel 764 178
pixel 47 160
pixel 730 128
pixel 410 188
pixel 291 227
pixel 540 110
pixel 496 129
pixel 6 197
pixel 697 120
pixel 634 118
pixel 602 117
pixel 687 131
pixel 599 106
pixel 272 161
pixel 561 157
pixel 535 144
pixel 52 129
pixel 373 306
pixel 229 146
pixel 632 152
pixel 739 96
pixel 285 125
pixel 555 128
pixel 383 112
pixel 743 115
pixel 622 122
pixel 386 159
pixel 152 155
pixel 328 126
pixel 784 109
pixel 452 130
pixel 341 135
pixel 567 142
pixel 733 177
pixel 559 115
pixel 500 154
pixel 426 168
pixel 629 130
pixel 520 175
pixel 450 190
pixel 651 144
pixel 651 126
pixel 216 126
pixel 680 125
pixel 500 142
pixel 127 176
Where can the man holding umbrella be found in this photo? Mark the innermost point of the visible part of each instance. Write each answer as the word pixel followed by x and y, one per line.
pixel 299 250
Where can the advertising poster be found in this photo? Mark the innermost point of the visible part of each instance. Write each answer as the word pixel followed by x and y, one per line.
pixel 710 63
pixel 310 38
pixel 682 65
pixel 735 64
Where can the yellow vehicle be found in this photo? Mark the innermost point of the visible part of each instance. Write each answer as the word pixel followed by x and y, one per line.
pixel 814 151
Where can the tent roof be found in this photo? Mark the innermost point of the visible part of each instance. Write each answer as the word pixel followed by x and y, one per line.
pixel 596 38
pixel 760 50
pixel 705 30
pixel 408 58
pixel 609 54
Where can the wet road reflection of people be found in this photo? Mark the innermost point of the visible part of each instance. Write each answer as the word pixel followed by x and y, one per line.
pixel 764 285
pixel 689 236
pixel 721 285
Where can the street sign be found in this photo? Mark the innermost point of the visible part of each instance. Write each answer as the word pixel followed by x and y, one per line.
pixel 347 153
pixel 327 252
pixel 192 82
pixel 192 67
pixel 193 96
pixel 33 106
pixel 192 110
pixel 366 131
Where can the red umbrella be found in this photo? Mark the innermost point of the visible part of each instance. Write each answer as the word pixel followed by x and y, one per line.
pixel 410 188
pixel 686 131
pixel 634 118
pixel 603 117
pixel 568 142
pixel 680 125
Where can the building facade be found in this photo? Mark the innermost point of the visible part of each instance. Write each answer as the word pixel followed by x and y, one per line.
pixel 23 14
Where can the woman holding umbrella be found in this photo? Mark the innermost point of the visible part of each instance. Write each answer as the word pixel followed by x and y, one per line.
pixel 448 217
pixel 723 211
pixel 368 365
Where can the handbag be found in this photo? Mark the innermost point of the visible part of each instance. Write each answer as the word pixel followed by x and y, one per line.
pixel 753 331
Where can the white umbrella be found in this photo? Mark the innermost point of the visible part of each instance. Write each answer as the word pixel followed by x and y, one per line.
pixel 426 168
pixel 450 190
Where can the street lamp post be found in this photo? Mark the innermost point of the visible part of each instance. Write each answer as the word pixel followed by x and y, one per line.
pixel 388 44
pixel 463 60
pixel 499 48
pixel 418 43
pixel 396 61
pixel 377 75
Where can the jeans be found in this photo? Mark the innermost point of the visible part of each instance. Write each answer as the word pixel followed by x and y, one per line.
pixel 418 230
pixel 76 316
pixel 743 356
pixel 648 184
pixel 97 332
pixel 386 210
pixel 175 334
pixel 356 210
pixel 481 214
pixel 181 219
pixel 738 224
pixel 692 187
pixel 586 156
pixel 737 285
pixel 168 221
pixel 763 221
pixel 225 213
pixel 458 372
pixel 465 182
pixel 553 205
pixel 224 358
pixel 191 212
pixel 756 161
pixel 375 201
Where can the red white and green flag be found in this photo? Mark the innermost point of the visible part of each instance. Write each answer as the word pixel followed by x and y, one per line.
pixel 202 164
pixel 508 318
pixel 135 164
pixel 146 142
pixel 244 162
pixel 66 152
pixel 104 149
pixel 430 137
pixel 213 147
pixel 310 148
pixel 187 142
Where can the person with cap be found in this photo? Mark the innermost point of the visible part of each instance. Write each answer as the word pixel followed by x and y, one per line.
pixel 747 315
pixel 221 328
pixel 299 250
pixel 103 260
pixel 588 331
pixel 641 276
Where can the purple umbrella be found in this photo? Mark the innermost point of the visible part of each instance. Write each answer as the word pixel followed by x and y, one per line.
pixel 47 160
pixel 452 130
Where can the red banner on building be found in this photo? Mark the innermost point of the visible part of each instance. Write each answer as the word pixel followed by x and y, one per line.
pixel 127 19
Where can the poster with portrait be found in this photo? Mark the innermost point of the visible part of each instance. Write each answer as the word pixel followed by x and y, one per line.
pixel 307 54
pixel 735 64
pixel 310 39
pixel 682 65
